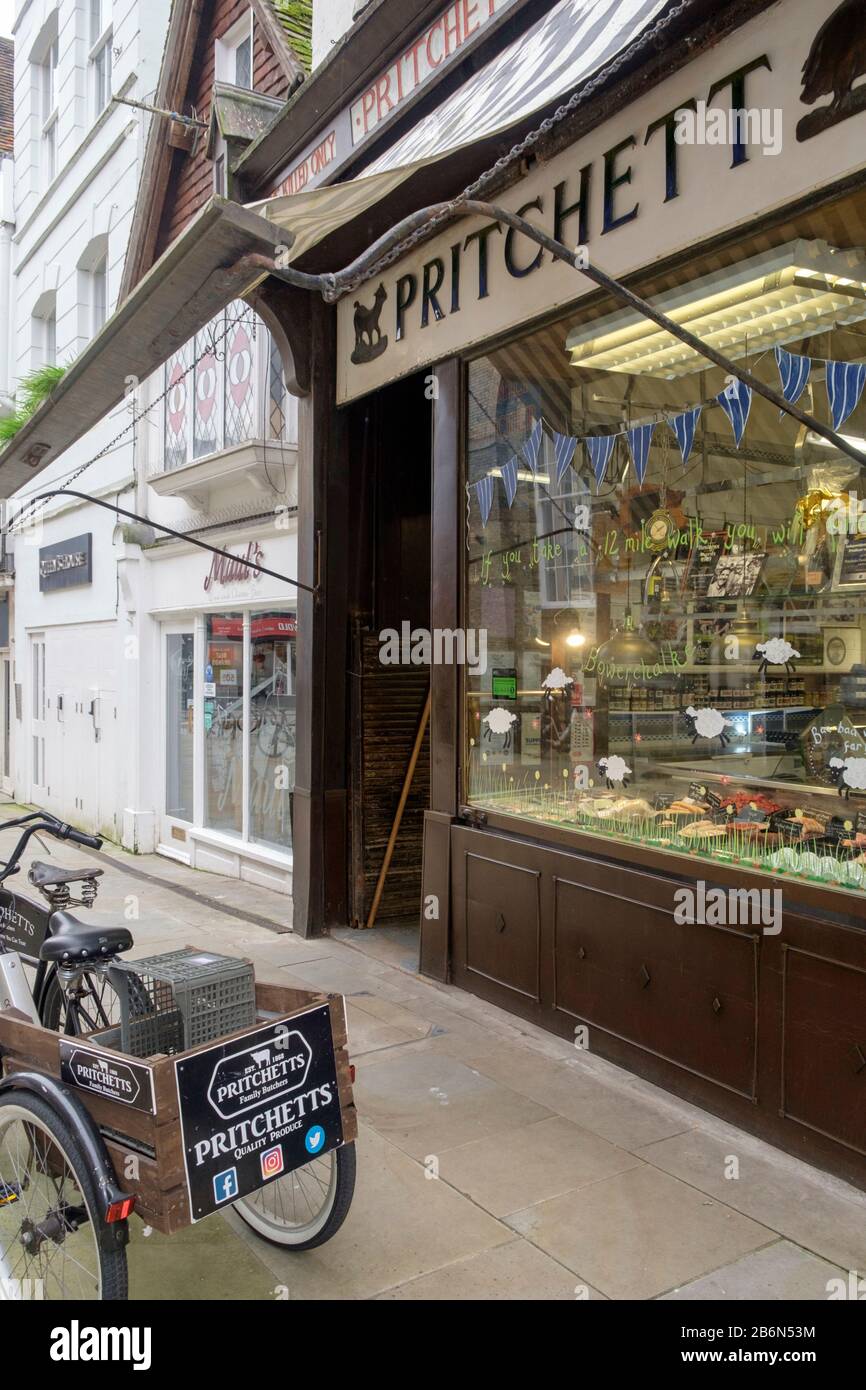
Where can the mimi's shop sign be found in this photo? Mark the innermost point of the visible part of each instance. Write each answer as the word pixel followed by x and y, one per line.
pixel 629 192
pixel 235 569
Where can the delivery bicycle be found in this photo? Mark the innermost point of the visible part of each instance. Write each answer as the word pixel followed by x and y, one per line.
pixel 262 1120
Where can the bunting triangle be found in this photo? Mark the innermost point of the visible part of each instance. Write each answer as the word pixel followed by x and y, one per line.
pixel 736 402
pixel 640 439
pixel 484 493
pixel 600 447
pixel 532 447
pixel 845 382
pixel 564 446
pixel 684 426
pixel 509 479
pixel 794 372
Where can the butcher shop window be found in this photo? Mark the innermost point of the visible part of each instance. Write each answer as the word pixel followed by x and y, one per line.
pixel 672 578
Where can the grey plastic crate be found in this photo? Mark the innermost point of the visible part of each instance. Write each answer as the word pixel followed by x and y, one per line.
pixel 176 1001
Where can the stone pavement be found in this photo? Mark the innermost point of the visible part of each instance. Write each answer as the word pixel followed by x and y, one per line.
pixel 494 1161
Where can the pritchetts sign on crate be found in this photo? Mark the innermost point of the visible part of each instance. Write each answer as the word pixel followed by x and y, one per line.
pixel 257 1106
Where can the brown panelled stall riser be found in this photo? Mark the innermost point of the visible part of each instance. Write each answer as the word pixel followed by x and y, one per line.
pixel 767 1031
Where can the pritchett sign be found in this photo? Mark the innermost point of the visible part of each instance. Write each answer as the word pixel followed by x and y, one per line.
pixel 256 1107
pixel 642 185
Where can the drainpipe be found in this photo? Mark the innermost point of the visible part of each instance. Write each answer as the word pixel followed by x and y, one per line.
pixel 7 225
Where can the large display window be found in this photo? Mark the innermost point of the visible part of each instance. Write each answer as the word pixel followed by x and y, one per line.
pixel 670 578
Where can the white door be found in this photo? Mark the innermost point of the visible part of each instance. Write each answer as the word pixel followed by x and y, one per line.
pixel 178 665
pixel 39 774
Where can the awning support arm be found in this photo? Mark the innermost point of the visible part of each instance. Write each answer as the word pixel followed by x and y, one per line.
pixel 157 526
pixel 332 285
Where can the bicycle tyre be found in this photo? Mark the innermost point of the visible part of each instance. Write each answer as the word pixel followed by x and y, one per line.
pixel 327 1222
pixel 113 1277
pixel 51 1008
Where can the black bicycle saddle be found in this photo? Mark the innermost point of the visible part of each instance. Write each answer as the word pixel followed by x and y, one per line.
pixel 49 875
pixel 73 940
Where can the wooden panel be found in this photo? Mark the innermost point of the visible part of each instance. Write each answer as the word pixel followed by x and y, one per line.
pixel 685 992
pixel 824 1046
pixel 502 924
pixel 387 705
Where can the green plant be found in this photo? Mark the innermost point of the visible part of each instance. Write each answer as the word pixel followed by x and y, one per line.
pixel 33 389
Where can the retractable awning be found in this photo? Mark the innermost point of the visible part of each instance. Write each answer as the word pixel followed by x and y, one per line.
pixel 570 44
pixel 206 267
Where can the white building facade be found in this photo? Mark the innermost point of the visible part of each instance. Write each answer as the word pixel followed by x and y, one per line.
pixel 149 687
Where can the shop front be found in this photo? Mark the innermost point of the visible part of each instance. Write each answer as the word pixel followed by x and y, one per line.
pixel 224 641
pixel 647 818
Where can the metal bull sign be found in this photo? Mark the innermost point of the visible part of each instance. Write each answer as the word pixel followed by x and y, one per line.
pixel 256 1107
pixel 23 925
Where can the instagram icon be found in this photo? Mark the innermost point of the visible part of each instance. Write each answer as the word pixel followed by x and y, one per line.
pixel 272 1162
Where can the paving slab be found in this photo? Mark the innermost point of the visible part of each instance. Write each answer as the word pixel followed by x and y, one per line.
pixel 639 1233
pixel 427 1104
pixel 402 1225
pixel 514 1271
pixel 539 1161
pixel 776 1273
pixel 810 1208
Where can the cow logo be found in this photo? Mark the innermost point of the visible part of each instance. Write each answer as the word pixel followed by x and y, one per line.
pixel 836 60
pixel 370 342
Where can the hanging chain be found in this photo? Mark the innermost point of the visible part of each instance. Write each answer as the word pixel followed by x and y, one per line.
pixel 333 291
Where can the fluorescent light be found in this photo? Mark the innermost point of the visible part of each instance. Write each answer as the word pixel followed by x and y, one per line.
pixel 523 475
pixel 852 439
pixel 791 293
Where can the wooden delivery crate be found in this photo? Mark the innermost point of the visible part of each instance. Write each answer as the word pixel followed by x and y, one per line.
pixel 144 1137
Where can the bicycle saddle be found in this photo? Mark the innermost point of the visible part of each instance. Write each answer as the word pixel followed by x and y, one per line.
pixel 46 875
pixel 72 940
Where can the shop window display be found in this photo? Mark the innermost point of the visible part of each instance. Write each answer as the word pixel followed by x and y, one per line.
pixel 672 578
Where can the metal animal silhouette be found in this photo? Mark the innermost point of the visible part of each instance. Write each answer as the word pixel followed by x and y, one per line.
pixel 370 342
pixel 836 59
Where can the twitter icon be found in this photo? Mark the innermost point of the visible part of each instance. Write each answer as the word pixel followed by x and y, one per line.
pixel 314 1139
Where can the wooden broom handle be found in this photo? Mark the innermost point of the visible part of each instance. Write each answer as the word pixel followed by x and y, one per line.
pixel 401 806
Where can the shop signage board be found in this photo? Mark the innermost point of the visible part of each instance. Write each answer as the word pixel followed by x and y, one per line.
pixel 116 1078
pixel 456 30
pixel 66 564
pixel 628 191
pixel 257 1106
pixel 23 925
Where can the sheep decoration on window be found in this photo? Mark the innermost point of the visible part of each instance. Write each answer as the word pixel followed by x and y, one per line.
pixel 776 652
pixel 849 772
pixel 615 770
pixel 709 723
pixel 557 682
pixel 499 721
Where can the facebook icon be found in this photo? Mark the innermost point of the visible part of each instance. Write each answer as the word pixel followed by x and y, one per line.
pixel 225 1185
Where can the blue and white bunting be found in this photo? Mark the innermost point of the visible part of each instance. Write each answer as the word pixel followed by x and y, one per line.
pixel 600 447
pixel 794 372
pixel 509 479
pixel 684 426
pixel 640 439
pixel 532 447
pixel 845 382
pixel 484 493
pixel 736 402
pixel 564 446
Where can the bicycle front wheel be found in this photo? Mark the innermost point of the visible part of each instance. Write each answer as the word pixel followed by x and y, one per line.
pixel 305 1208
pixel 51 1222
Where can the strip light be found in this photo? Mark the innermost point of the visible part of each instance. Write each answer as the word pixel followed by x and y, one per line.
pixel 794 292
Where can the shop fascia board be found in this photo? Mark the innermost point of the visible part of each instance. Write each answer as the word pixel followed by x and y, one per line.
pixel 378 36
pixel 211 263
pixel 249 463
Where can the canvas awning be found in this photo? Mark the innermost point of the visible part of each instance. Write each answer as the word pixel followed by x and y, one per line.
pixel 204 269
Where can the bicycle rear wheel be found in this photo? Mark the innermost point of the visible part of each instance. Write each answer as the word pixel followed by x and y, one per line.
pixel 52 1226
pixel 304 1208
pixel 96 1007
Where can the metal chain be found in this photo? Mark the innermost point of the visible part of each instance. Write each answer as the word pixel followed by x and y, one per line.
pixel 333 292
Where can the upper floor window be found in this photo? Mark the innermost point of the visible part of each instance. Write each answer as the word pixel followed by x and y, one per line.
pixel 93 287
pixel 100 54
pixel 234 54
pixel 44 331
pixel 48 110
pixel 224 388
